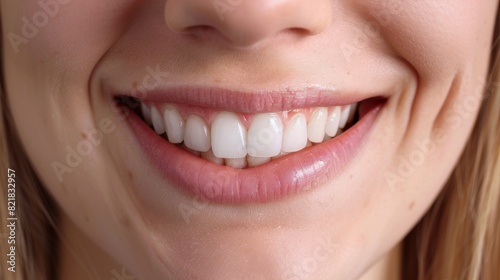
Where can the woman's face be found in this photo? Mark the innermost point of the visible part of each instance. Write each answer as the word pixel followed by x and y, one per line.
pixel 242 82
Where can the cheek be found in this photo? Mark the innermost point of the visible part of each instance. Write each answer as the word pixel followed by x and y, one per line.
pixel 435 37
pixel 447 45
pixel 51 48
pixel 60 35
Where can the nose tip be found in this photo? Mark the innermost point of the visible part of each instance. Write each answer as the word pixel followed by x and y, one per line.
pixel 245 23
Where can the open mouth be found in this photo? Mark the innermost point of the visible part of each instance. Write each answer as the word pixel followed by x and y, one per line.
pixel 243 141
pixel 230 152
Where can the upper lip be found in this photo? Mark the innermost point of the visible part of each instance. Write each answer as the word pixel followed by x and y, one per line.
pixel 250 102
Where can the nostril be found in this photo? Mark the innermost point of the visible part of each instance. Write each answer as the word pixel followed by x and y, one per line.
pixel 200 29
pixel 204 32
pixel 252 22
pixel 300 31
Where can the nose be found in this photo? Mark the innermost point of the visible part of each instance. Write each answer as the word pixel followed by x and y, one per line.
pixel 244 23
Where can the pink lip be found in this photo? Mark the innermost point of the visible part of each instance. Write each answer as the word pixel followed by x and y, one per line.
pixel 255 102
pixel 275 180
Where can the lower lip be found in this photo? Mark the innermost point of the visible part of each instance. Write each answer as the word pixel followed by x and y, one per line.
pixel 278 179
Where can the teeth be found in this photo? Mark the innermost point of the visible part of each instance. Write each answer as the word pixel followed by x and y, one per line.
pixel 333 121
pixel 174 125
pixel 295 134
pixel 157 121
pixel 316 125
pixel 238 163
pixel 146 113
pixel 194 152
pixel 344 115
pixel 228 137
pixel 256 161
pixel 309 144
pixel 280 155
pixel 212 158
pixel 196 134
pixel 227 142
pixel 265 136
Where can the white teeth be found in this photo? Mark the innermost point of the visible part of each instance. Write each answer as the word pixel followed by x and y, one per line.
pixel 282 154
pixel 333 121
pixel 227 142
pixel 256 161
pixel 295 134
pixel 194 152
pixel 196 134
pixel 228 137
pixel 157 121
pixel 344 115
pixel 239 163
pixel 316 125
pixel 174 125
pixel 265 136
pixel 146 113
pixel 212 158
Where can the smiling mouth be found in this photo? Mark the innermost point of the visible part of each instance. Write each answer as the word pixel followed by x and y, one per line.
pixel 246 140
pixel 233 147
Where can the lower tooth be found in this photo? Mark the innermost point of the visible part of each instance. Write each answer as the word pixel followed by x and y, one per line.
pixel 280 155
pixel 239 163
pixel 256 161
pixel 196 153
pixel 212 158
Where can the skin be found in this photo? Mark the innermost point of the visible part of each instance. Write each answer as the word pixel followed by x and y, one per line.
pixel 430 57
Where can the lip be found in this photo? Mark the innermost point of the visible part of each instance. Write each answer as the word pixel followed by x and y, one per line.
pixel 252 102
pixel 277 179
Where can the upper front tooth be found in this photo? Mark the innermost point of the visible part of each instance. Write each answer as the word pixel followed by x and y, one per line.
pixel 157 121
pixel 344 115
pixel 295 134
pixel 333 121
pixel 146 113
pixel 228 136
pixel 174 125
pixel 196 134
pixel 265 135
pixel 316 125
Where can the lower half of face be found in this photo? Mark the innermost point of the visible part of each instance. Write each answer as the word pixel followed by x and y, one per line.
pixel 234 138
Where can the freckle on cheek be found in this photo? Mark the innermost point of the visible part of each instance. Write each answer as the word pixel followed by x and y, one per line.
pixel 412 204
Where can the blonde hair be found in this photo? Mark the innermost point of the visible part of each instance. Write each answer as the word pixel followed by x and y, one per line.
pixel 36 242
pixel 456 239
